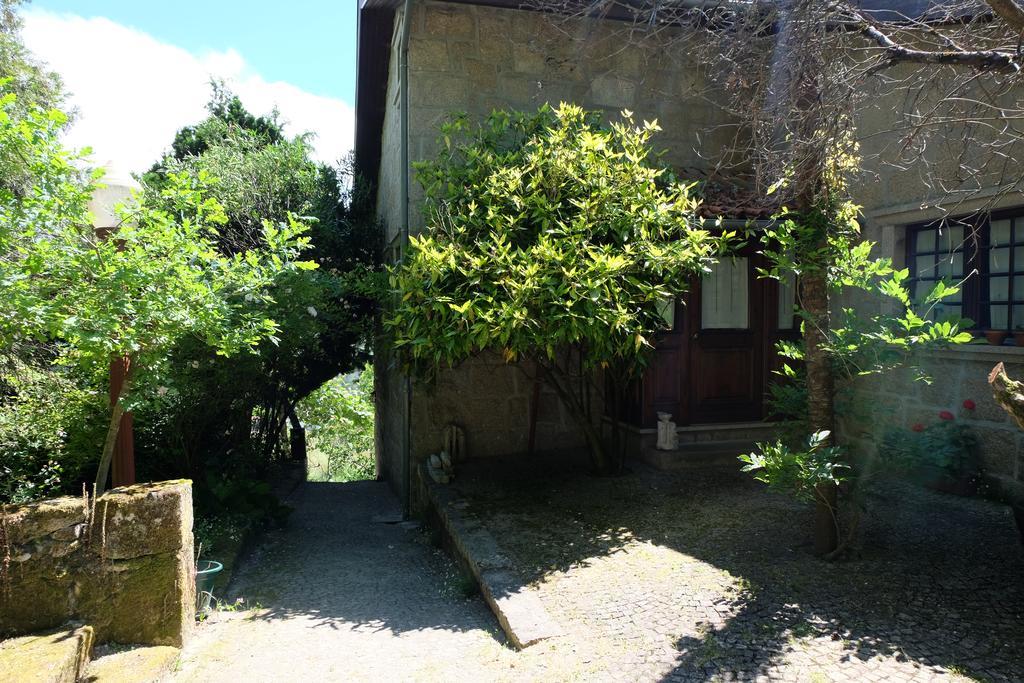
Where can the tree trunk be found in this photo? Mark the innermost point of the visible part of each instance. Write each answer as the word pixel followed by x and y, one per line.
pixel 116 411
pixel 297 437
pixel 1008 393
pixel 820 408
pixel 598 454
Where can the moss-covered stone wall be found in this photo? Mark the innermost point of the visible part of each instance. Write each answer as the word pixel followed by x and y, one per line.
pixel 121 563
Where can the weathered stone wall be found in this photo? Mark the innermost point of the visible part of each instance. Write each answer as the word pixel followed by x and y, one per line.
pixel 490 400
pixel 123 565
pixel 474 59
pixel 895 401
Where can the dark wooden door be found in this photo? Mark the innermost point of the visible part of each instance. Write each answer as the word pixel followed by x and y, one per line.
pixel 727 325
pixel 715 361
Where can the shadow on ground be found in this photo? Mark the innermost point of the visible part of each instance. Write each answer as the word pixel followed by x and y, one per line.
pixel 933 585
pixel 346 561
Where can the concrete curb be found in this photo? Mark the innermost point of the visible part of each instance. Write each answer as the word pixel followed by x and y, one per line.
pixel 519 611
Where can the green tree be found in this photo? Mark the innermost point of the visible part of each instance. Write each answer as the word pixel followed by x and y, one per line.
pixel 551 239
pixel 135 295
pixel 325 315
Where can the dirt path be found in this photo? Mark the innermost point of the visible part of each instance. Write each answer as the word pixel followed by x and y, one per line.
pixel 342 596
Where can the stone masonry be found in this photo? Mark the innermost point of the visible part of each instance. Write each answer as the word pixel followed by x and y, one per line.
pixel 122 564
pixel 473 59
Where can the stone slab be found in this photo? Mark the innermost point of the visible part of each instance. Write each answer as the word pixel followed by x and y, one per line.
pixel 60 656
pixel 519 611
pixel 138 665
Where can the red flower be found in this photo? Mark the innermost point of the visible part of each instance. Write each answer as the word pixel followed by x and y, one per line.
pixel 945 415
pixel 970 405
pixel 918 427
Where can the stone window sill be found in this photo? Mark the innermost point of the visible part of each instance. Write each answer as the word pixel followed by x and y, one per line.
pixel 981 352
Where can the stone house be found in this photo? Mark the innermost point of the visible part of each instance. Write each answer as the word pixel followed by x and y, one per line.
pixel 422 59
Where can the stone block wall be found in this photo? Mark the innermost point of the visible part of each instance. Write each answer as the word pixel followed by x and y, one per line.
pixel 475 59
pixel 490 400
pixel 896 401
pixel 122 564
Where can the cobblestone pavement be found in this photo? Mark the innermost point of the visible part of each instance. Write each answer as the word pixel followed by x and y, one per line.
pixel 341 595
pixel 697 578
pixel 652 576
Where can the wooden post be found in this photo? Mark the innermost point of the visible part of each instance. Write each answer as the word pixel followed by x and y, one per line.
pixel 123 462
pixel 116 189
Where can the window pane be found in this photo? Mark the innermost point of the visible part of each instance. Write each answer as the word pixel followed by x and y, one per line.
pixel 998 288
pixel 1018 258
pixel 1018 317
pixel 925 266
pixel 999 260
pixel 997 317
pixel 787 301
pixel 1018 289
pixel 952 238
pixel 723 296
pixel 999 233
pixel 921 288
pixel 925 241
pixel 953 312
pixel 951 266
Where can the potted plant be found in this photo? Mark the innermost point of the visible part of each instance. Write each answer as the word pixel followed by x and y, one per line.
pixel 1018 335
pixel 996 337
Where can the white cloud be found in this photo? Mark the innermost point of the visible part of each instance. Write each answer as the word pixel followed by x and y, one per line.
pixel 132 92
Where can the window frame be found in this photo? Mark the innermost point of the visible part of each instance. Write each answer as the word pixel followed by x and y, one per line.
pixel 976 247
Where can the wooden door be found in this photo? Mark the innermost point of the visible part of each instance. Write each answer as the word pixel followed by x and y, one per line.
pixel 727 326
pixel 715 361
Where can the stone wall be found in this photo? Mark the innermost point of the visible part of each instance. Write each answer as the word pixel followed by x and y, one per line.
pixel 474 59
pixel 122 564
pixel 895 401
pixel 490 400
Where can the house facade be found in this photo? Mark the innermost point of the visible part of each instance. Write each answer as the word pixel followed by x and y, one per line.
pixel 422 59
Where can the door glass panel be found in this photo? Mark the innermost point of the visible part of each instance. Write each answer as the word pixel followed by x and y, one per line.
pixel 787 301
pixel 723 296
pixel 667 310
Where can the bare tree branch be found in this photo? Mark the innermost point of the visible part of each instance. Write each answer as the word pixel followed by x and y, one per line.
pixel 1010 11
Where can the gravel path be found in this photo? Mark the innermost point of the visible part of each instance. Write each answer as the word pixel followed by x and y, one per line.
pixel 341 596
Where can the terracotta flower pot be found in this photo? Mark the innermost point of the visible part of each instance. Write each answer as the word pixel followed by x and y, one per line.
pixel 995 337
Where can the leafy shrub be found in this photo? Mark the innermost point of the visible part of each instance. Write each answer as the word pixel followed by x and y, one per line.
pixel 798 472
pixel 339 418
pixel 946 446
pixel 51 430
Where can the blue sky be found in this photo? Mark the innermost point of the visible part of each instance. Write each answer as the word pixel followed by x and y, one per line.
pixel 138 70
pixel 309 43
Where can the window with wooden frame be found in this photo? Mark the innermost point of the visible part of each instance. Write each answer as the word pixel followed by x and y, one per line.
pixel 986 253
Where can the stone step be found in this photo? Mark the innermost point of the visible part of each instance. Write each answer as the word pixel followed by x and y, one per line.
pixel 704 455
pixel 141 664
pixel 55 657
pixel 718 433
